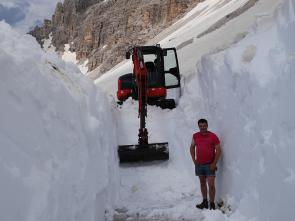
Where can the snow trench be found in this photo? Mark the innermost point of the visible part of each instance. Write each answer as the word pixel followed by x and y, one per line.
pixel 246 93
pixel 59 135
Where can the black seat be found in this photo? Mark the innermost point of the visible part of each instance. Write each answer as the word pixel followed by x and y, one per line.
pixel 150 66
pixel 153 77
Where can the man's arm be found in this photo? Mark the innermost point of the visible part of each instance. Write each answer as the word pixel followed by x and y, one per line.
pixel 193 151
pixel 217 156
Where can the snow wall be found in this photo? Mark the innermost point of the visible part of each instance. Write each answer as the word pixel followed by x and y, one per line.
pixel 247 94
pixel 56 155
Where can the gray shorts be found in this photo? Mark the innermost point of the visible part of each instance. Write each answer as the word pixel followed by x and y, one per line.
pixel 203 170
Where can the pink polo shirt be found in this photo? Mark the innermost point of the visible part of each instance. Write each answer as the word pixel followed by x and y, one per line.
pixel 205 147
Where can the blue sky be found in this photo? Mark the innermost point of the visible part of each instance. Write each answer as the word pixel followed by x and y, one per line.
pixel 24 14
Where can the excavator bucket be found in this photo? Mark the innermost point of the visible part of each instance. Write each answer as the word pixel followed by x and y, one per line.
pixel 143 153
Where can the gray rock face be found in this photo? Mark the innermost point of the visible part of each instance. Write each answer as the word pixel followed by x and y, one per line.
pixel 101 30
pixel 41 33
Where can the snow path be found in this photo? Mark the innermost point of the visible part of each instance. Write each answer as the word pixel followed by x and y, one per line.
pixel 155 189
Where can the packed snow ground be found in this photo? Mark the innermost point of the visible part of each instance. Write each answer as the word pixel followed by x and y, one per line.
pixel 244 87
pixel 56 155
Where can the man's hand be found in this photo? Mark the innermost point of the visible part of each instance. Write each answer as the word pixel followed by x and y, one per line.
pixel 213 167
pixel 217 155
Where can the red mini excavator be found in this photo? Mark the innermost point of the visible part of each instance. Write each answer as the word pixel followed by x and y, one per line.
pixel 154 71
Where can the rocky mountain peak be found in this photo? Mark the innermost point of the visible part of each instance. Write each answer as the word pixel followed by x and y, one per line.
pixel 101 30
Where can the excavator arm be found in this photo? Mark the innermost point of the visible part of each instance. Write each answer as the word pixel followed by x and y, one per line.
pixel 141 75
pixel 143 151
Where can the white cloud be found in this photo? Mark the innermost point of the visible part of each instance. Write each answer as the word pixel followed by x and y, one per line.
pixel 23 14
pixel 11 14
pixel 9 4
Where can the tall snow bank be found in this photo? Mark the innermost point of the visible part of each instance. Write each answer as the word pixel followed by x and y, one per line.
pixel 56 137
pixel 247 93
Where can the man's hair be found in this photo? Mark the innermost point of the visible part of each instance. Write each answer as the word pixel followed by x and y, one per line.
pixel 201 121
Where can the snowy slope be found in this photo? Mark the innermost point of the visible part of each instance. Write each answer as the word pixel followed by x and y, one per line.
pixel 56 158
pixel 184 35
pixel 240 78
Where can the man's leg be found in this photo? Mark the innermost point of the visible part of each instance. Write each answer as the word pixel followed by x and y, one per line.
pixel 211 184
pixel 203 186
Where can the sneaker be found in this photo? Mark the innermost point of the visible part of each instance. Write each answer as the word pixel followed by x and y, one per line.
pixel 212 205
pixel 203 205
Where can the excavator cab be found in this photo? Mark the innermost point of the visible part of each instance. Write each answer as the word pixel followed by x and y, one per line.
pixel 163 74
pixel 155 70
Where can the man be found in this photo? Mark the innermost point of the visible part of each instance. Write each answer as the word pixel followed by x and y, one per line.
pixel 205 151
